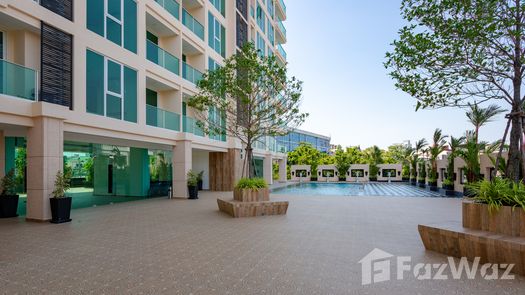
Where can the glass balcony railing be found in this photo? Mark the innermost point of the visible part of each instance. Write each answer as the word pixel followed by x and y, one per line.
pixel 281 2
pixel 161 118
pixel 190 125
pixel 281 28
pixel 171 6
pixel 19 81
pixel 190 73
pixel 191 23
pixel 162 58
pixel 281 51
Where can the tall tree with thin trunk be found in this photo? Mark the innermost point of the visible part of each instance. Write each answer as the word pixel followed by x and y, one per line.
pixel 455 145
pixel 418 149
pixel 437 147
pixel 249 98
pixel 478 117
pixel 455 53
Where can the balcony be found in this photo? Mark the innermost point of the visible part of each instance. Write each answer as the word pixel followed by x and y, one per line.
pixel 191 23
pixel 190 73
pixel 162 58
pixel 281 33
pixel 161 118
pixel 281 53
pixel 171 6
pixel 190 125
pixel 280 9
pixel 18 81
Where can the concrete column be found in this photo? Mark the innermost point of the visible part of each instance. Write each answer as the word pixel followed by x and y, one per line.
pixel 45 145
pixel 182 163
pixel 2 154
pixel 268 169
pixel 282 170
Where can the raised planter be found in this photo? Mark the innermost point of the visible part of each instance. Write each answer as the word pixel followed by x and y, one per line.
pixel 60 209
pixel 507 220
pixel 251 195
pixel 468 193
pixel 405 179
pixel 413 182
pixel 8 206
pixel 433 186
pixel 449 190
pixel 421 184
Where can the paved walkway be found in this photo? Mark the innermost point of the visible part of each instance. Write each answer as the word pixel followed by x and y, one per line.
pixel 187 247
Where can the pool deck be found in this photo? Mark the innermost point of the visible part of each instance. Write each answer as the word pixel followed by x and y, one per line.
pixel 165 246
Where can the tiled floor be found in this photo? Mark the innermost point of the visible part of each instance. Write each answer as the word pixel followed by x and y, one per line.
pixel 187 247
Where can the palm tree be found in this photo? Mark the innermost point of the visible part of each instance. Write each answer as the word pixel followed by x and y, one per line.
pixel 470 154
pixel 406 159
pixel 375 156
pixel 437 147
pixel 481 116
pixel 455 145
pixel 420 145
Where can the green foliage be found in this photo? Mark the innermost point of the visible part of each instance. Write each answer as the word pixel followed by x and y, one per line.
pixel 414 159
pixel 437 147
pixel 89 170
pixel 200 175
pixel 62 184
pixel 342 161
pixel 251 183
pixel 8 184
pixel 305 154
pixel 254 96
pixel 275 171
pixel 499 192
pixel 192 178
pixel 470 154
pixel 448 182
pixel 20 167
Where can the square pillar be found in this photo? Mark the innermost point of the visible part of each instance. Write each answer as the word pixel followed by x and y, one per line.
pixel 268 169
pixel 45 145
pixel 182 163
pixel 282 170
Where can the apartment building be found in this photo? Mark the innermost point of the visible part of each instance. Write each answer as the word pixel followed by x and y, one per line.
pixel 292 140
pixel 99 87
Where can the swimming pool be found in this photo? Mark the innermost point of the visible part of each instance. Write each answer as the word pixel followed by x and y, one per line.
pixel 356 189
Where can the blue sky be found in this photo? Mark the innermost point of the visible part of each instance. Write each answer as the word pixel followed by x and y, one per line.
pixel 337 48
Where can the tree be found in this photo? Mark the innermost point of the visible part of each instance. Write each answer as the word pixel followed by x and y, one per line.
pixel 342 162
pixel 305 154
pixel 470 154
pixel 455 145
pixel 478 117
pixel 374 156
pixel 420 145
pixel 437 147
pixel 249 98
pixel 455 52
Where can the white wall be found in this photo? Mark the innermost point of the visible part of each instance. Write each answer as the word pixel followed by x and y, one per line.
pixel 201 162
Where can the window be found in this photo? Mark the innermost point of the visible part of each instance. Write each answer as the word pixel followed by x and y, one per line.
pixel 389 173
pixel 261 46
pixel 216 35
pixel 116 20
pixel 212 65
pixel 271 33
pixel 261 18
pixel 220 5
pixel 111 88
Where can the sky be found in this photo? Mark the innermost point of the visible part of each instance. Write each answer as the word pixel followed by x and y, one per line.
pixel 337 48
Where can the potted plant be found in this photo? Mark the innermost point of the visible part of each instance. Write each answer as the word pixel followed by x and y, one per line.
pixel 251 190
pixel 199 180
pixel 60 203
pixel 432 184
pixel 448 186
pixel 8 196
pixel 193 185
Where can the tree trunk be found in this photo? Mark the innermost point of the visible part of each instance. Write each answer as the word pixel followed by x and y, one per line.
pixel 249 159
pixel 514 161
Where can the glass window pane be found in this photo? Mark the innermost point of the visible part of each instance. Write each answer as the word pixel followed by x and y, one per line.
pixel 114 8
pixel 130 95
pixel 94 83
pixel 130 25
pixel 114 31
pixel 113 107
pixel 95 16
pixel 114 83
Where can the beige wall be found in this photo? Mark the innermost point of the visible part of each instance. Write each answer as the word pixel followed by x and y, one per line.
pixel 293 173
pixel 366 172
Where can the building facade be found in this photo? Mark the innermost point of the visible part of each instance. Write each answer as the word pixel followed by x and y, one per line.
pixel 291 141
pixel 99 87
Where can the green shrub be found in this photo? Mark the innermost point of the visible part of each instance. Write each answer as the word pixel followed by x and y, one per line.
pixel 193 178
pixel 62 184
pixel 448 182
pixel 8 184
pixel 251 183
pixel 499 192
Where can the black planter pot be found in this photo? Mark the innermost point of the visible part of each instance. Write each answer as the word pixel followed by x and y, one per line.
pixel 450 193
pixel 413 182
pixel 433 186
pixel 60 209
pixel 373 178
pixel 448 187
pixel 8 206
pixel 193 192
pixel 421 184
pixel 405 179
pixel 199 185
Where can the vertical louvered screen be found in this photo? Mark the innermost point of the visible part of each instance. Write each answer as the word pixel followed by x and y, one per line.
pixel 60 7
pixel 56 77
pixel 242 6
pixel 242 31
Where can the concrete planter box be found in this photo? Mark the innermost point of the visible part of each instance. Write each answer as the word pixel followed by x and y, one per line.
pixel 506 220
pixel 251 195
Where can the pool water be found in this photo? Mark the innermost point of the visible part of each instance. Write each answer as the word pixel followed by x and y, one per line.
pixel 355 189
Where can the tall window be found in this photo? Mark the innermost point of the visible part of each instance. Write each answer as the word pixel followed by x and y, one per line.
pixel 212 65
pixel 261 46
pixel 111 88
pixel 220 5
pixel 271 33
pixel 216 35
pixel 261 18
pixel 116 20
